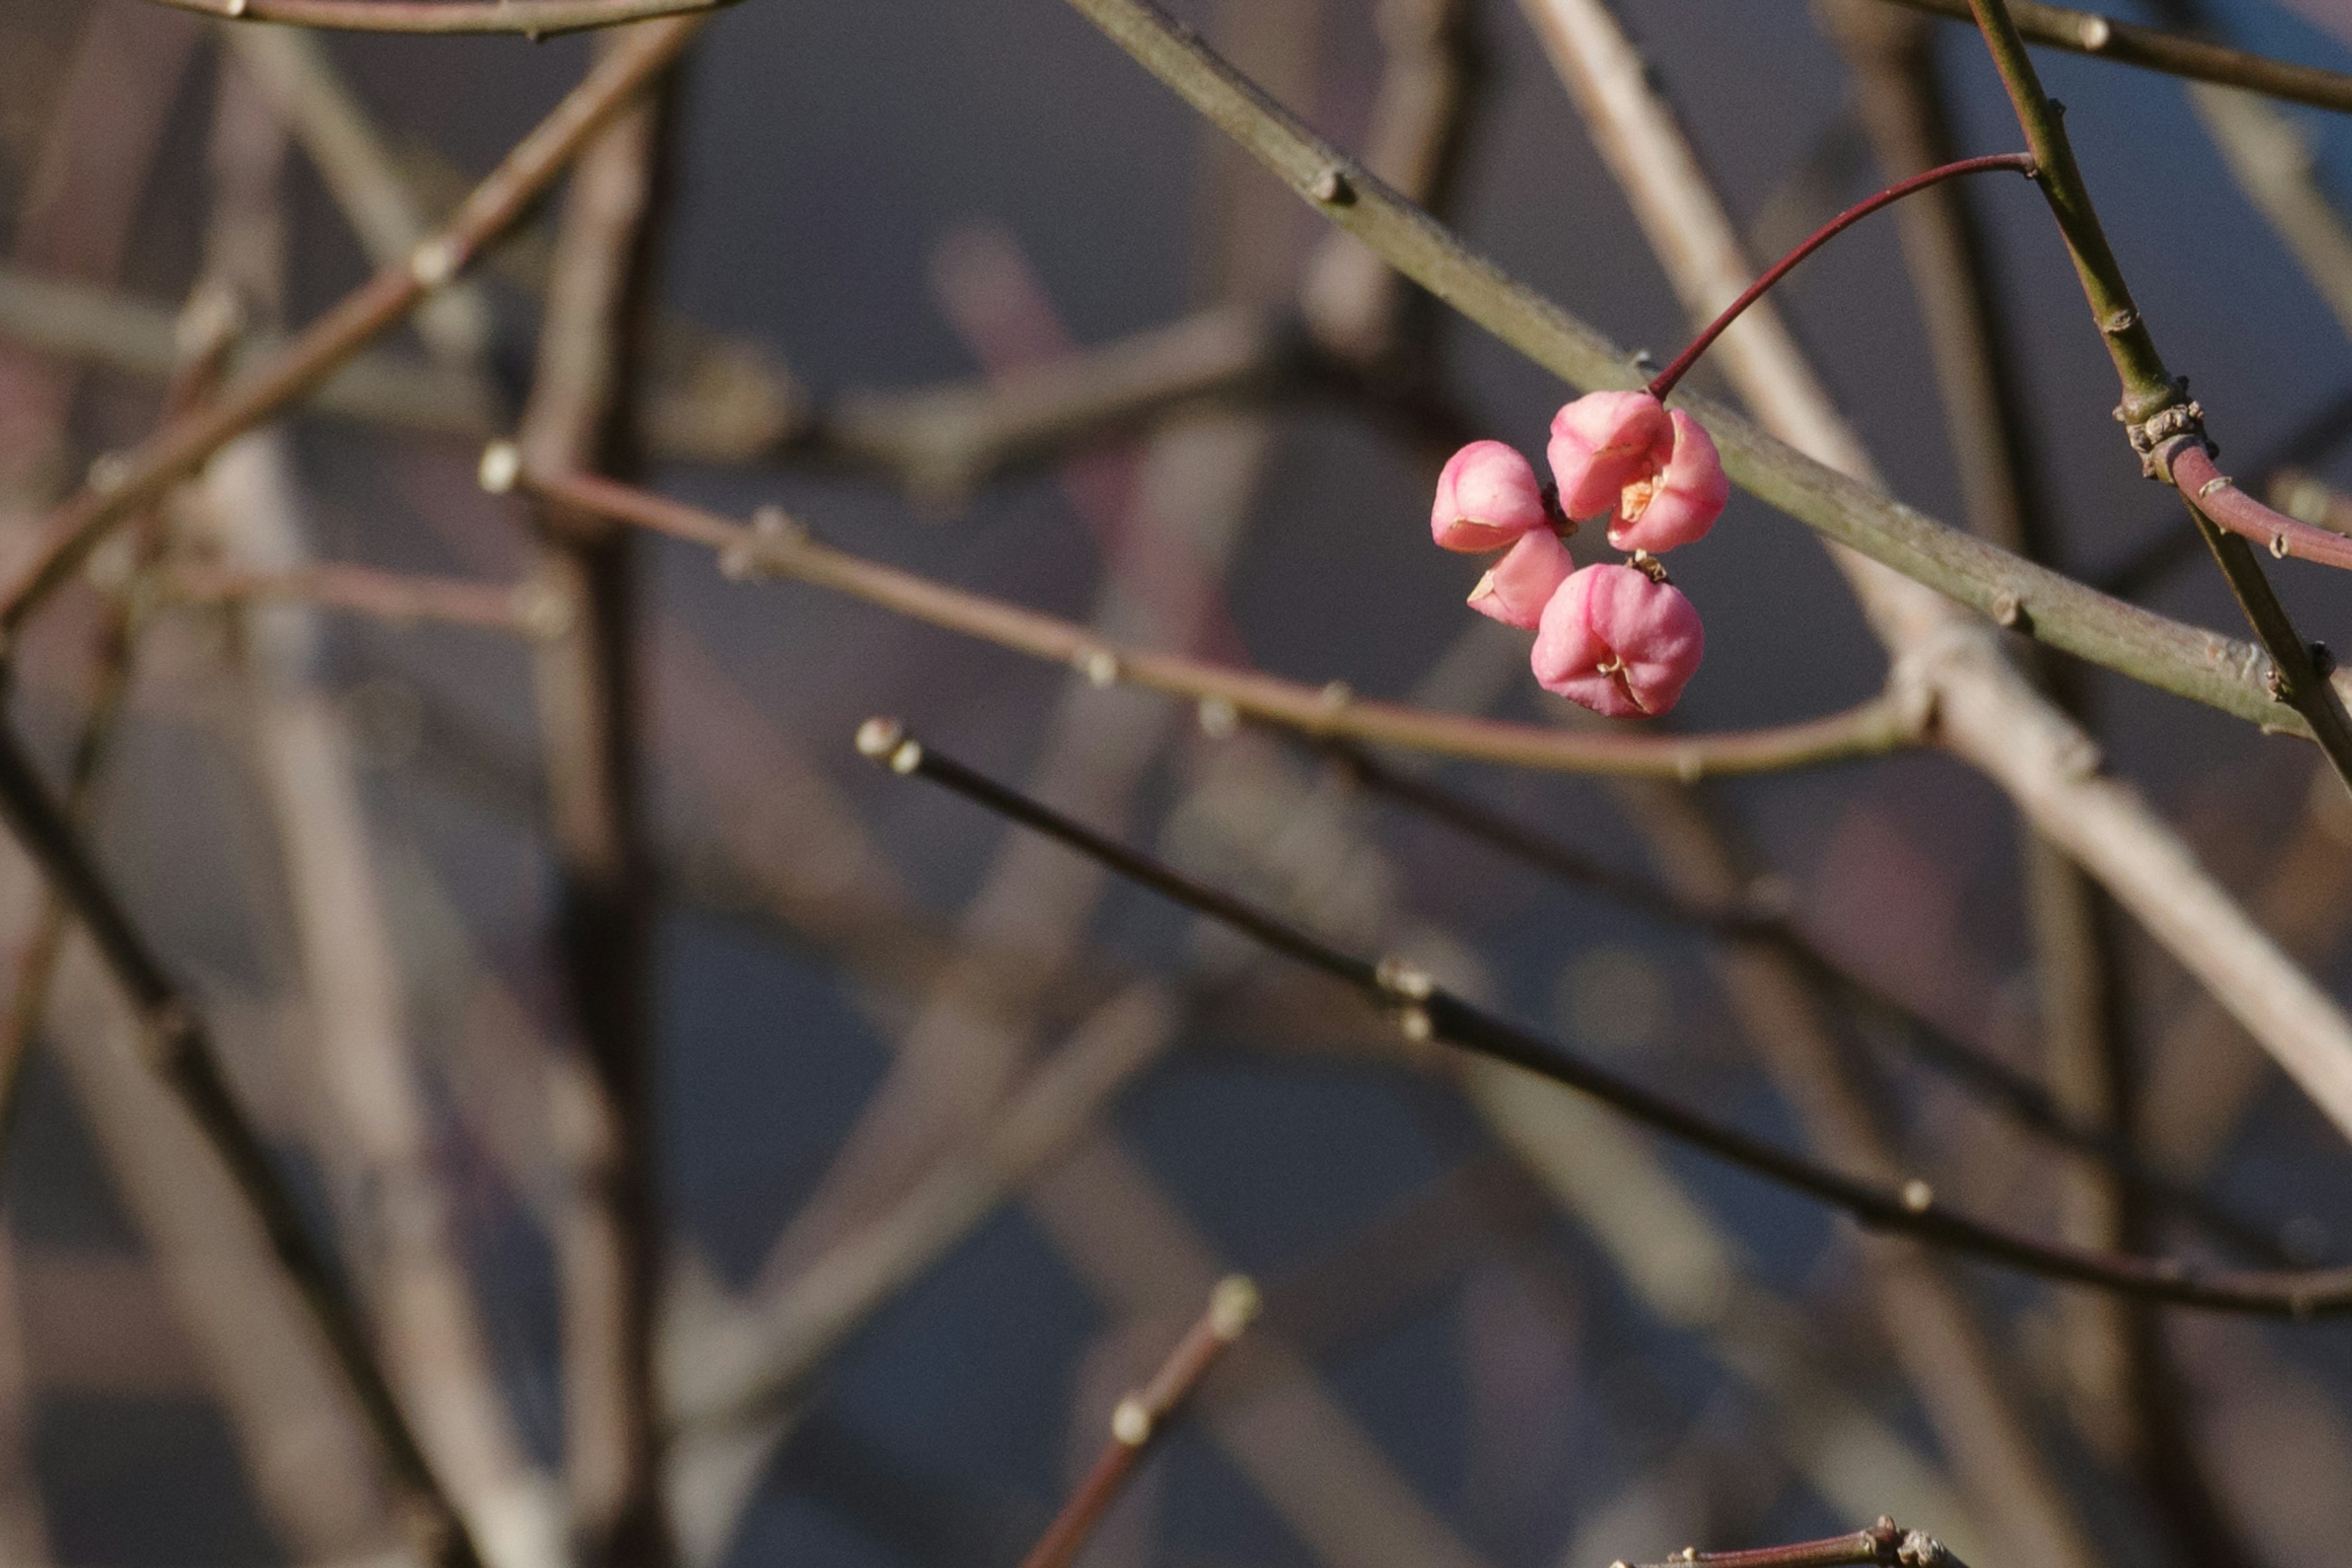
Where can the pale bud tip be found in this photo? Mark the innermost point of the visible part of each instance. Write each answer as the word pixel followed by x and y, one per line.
pixel 1918 1196
pixel 501 466
pixel 1131 1423
pixel 1233 1306
pixel 434 263
pixel 1100 667
pixel 1219 717
pixel 877 738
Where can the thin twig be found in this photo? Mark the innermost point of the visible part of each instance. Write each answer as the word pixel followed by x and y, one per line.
pixel 1663 384
pixel 533 18
pixel 1142 1416
pixel 124 483
pixel 2153 48
pixel 590 722
pixel 1426 1010
pixel 1884 1544
pixel 772 545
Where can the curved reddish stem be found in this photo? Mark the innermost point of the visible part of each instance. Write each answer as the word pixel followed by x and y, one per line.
pixel 2212 493
pixel 1663 382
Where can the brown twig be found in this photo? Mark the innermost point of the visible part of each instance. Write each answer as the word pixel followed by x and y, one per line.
pixel 533 18
pixel 1426 1010
pixel 1884 1544
pixel 138 478
pixel 401 597
pixel 590 715
pixel 2153 48
pixel 1142 1416
pixel 771 545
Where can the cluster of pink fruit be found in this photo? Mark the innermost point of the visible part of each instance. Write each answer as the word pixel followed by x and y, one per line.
pixel 1619 639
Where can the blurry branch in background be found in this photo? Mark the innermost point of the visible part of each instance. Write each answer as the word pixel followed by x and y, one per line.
pixel 372 1127
pixel 767 1362
pixel 179 1051
pixel 2123 1387
pixel 1165 523
pixel 772 544
pixel 297 73
pixel 209 328
pixel 586 686
pixel 535 18
pixel 1983 710
pixel 1939 1337
pixel 400 599
pixel 1142 1416
pixel 2152 49
pixel 124 482
pixel 1692 1271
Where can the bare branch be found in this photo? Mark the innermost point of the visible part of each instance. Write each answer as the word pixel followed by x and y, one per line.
pixel 139 478
pixel 2153 48
pixel 533 18
pixel 1140 1418
pixel 770 544
pixel 1426 1010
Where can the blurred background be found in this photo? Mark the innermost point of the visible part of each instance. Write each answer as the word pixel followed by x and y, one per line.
pixel 1502 1330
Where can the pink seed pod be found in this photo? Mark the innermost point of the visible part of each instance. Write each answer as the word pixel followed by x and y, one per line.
pixel 1603 442
pixel 1617 643
pixel 1486 498
pixel 1522 583
pixel 1681 502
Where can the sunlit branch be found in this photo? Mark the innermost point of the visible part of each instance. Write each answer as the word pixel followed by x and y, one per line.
pixel 776 546
pixel 2153 48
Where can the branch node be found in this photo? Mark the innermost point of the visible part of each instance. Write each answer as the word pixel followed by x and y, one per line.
pixel 1233 1306
pixel 1130 1422
pixel 436 262
pixel 1918 1196
pixel 501 466
pixel 1401 977
pixel 1219 717
pixel 1332 188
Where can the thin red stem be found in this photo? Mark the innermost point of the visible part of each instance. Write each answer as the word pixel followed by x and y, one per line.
pixel 1663 382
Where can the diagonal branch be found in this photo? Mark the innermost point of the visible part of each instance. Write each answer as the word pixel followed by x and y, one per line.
pixel 2153 48
pixel 139 478
pixel 1427 1011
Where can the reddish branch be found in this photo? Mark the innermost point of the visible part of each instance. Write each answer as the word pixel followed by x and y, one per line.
pixel 1663 382
pixel 1885 1544
pixel 1426 1010
pixel 533 18
pixel 1141 1416
pixel 122 485
pixel 777 546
